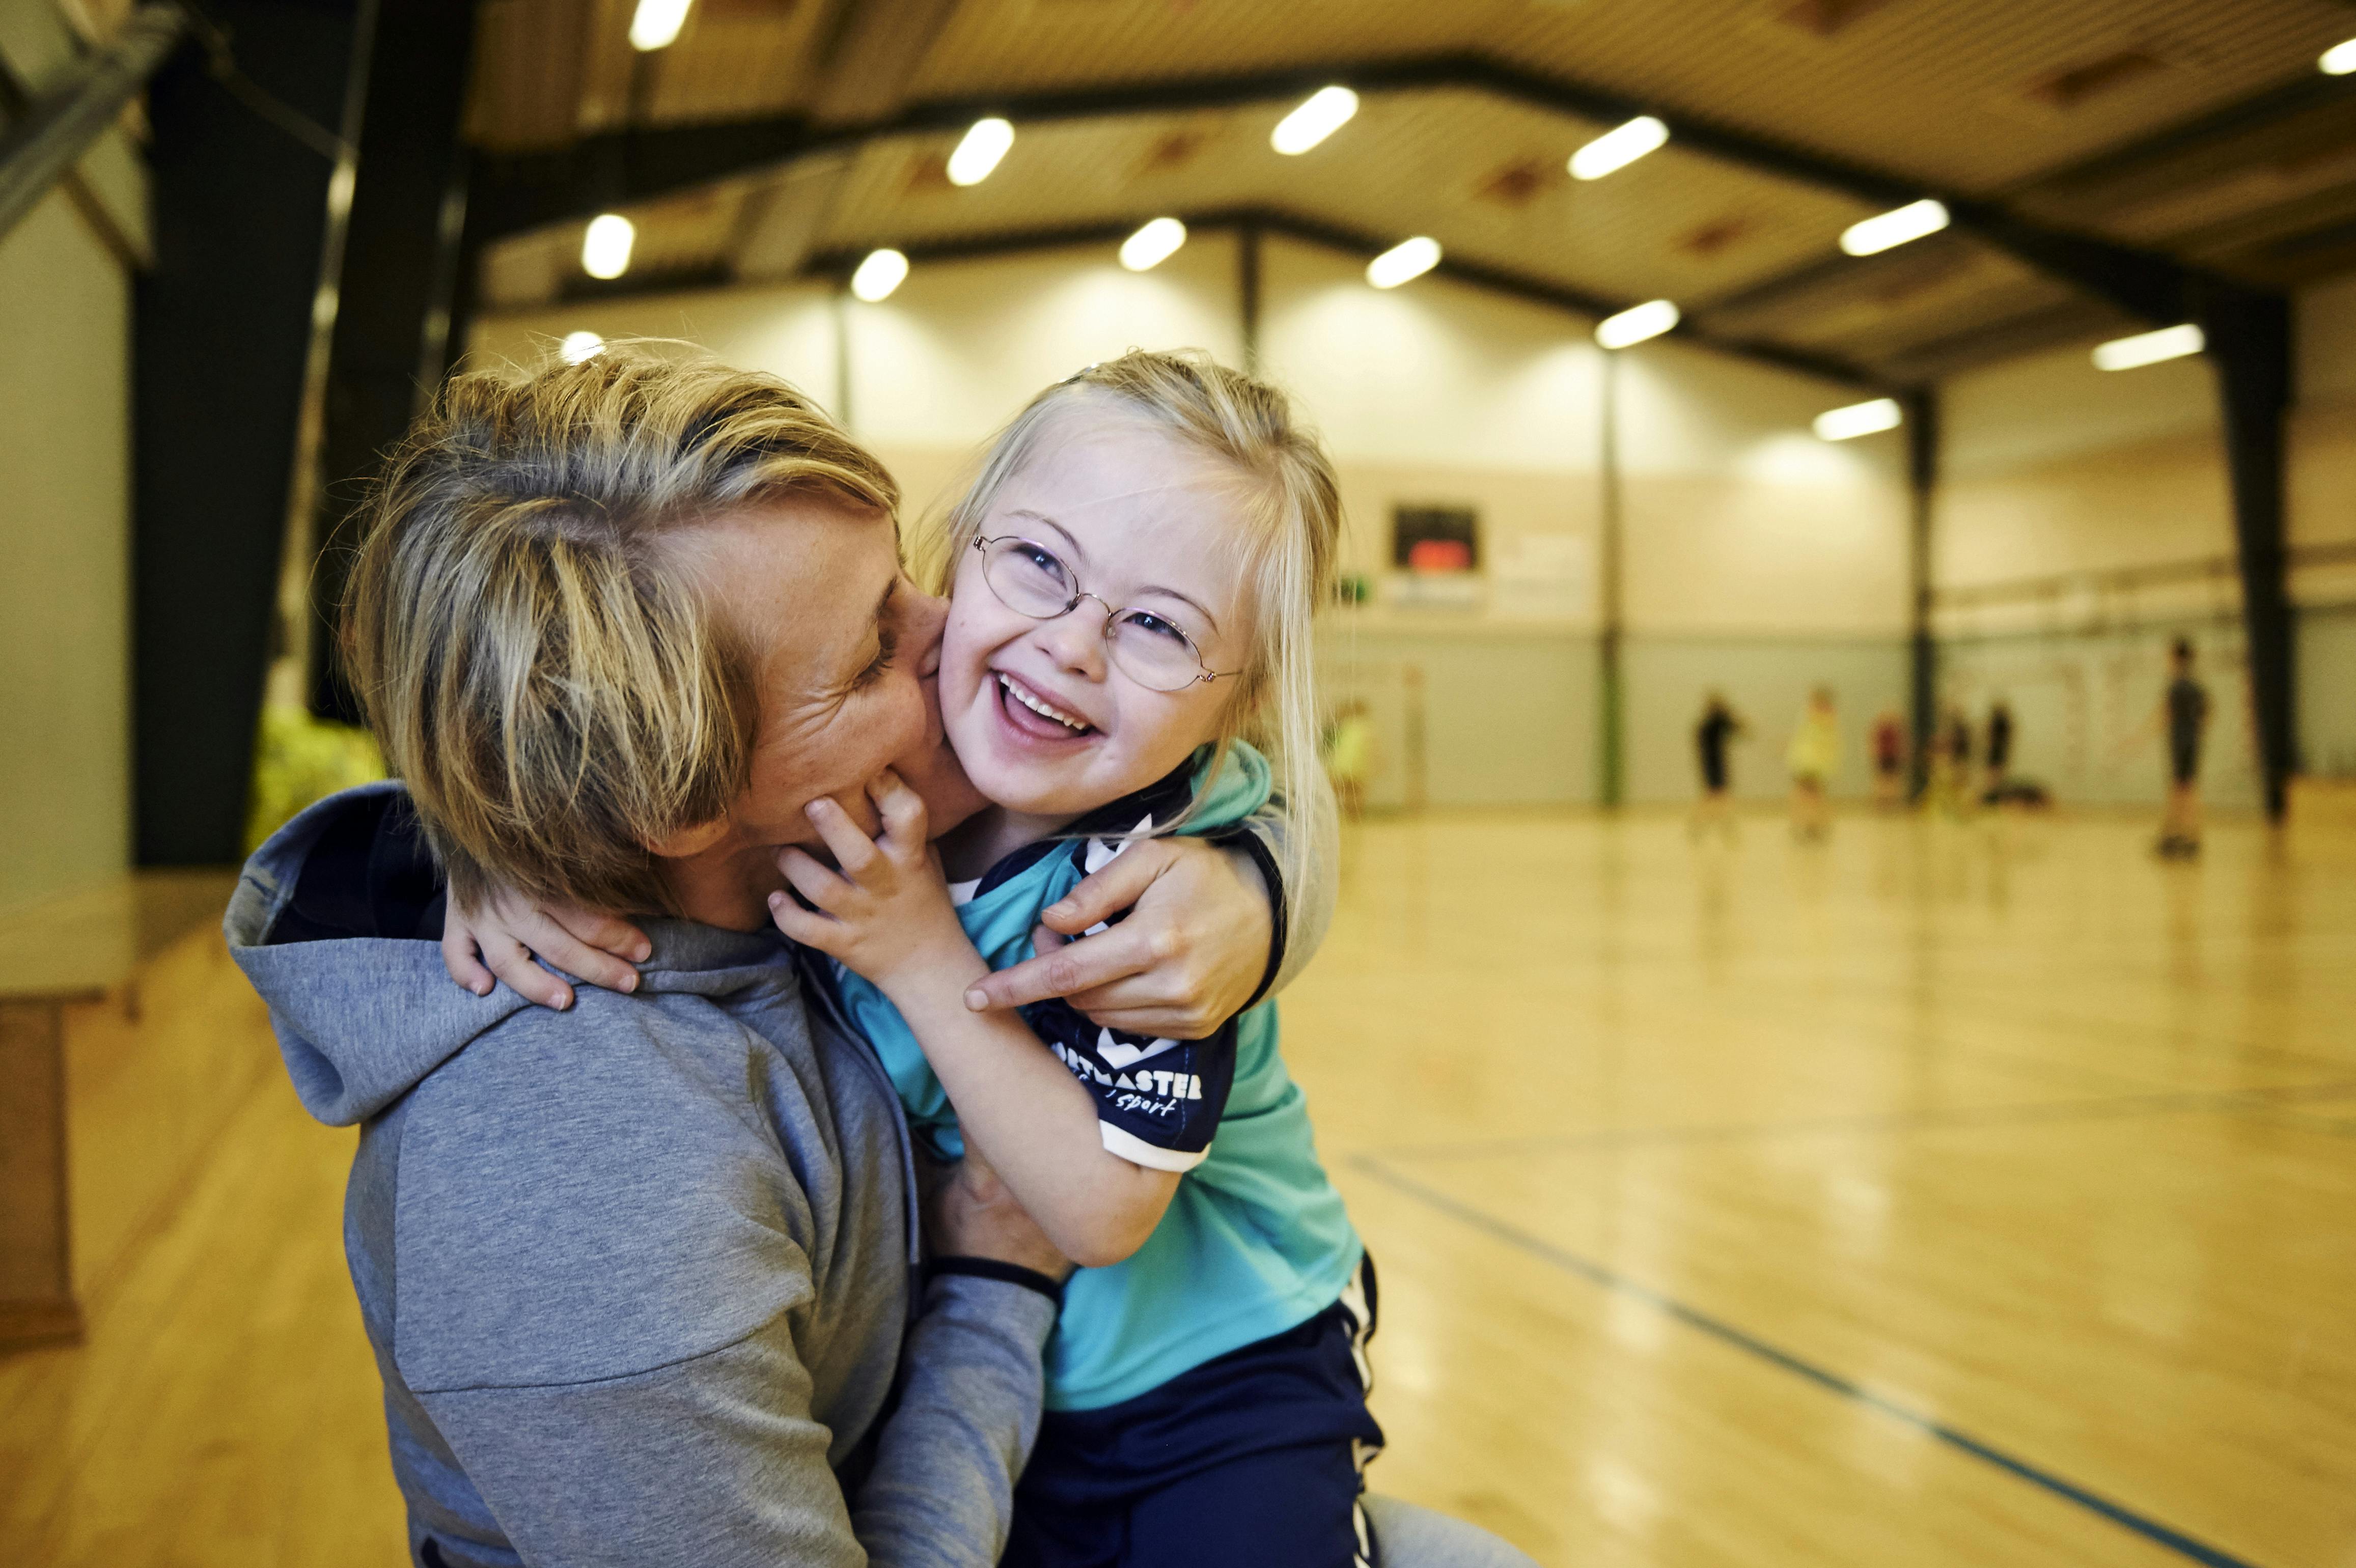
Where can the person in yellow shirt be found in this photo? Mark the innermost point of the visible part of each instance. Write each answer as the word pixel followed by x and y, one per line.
pixel 1814 756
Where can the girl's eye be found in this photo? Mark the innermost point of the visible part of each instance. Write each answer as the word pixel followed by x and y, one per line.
pixel 1041 561
pixel 1146 621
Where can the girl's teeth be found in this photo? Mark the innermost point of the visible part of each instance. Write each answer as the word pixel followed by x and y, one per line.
pixel 1035 706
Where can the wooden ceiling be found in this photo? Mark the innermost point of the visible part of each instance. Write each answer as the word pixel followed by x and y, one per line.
pixel 2196 128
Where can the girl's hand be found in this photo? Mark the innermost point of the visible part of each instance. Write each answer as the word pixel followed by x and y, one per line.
pixel 885 912
pixel 599 948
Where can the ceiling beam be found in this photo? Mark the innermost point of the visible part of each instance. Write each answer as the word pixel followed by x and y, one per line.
pixel 600 172
pixel 1359 245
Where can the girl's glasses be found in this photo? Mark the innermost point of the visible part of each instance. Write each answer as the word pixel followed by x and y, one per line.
pixel 1151 649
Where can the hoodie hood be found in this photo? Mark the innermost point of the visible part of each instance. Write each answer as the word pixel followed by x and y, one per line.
pixel 336 921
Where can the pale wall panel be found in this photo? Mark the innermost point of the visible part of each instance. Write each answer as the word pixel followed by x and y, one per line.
pixel 2327 690
pixel 64 537
pixel 1505 718
pixel 2155 500
pixel 1732 554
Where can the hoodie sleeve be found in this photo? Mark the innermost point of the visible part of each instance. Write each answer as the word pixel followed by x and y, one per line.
pixel 1302 914
pixel 942 1492
pixel 717 1461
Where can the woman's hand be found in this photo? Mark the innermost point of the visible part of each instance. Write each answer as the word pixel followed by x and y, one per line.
pixel 1192 951
pixel 969 1212
pixel 500 939
pixel 882 910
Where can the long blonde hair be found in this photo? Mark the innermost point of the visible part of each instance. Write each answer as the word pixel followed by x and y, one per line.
pixel 1293 519
pixel 537 664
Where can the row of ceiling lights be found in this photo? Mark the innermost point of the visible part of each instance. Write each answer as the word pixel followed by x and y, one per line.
pixel 605 246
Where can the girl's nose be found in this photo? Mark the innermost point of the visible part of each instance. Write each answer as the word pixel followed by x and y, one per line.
pixel 1075 639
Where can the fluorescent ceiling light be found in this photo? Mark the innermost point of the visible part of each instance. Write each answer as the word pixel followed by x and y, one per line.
pixel 1321 114
pixel 984 144
pixel 2339 59
pixel 878 275
pixel 1636 324
pixel 1407 259
pixel 1859 419
pixel 2149 347
pixel 656 23
pixel 1894 228
pixel 606 248
pixel 579 348
pixel 1619 147
pixel 1153 245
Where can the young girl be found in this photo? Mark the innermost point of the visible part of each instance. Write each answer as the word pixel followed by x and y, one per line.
pixel 1133 576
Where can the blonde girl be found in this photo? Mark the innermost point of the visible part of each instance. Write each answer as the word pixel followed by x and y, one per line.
pixel 1131 576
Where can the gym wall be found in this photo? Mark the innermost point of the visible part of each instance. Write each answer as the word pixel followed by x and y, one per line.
pixel 65 523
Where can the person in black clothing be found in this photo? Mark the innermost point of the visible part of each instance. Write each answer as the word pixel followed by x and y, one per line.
pixel 1720 727
pixel 1999 751
pixel 2187 710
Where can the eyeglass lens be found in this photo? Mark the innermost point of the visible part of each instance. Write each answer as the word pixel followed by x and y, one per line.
pixel 1151 650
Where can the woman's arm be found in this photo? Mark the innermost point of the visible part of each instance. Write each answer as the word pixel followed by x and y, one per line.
pixel 1210 929
pixel 886 915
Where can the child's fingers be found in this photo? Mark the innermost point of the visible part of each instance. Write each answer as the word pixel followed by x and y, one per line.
pixel 812 880
pixel 853 851
pixel 800 925
pixel 558 946
pixel 458 957
pixel 511 961
pixel 605 932
pixel 902 810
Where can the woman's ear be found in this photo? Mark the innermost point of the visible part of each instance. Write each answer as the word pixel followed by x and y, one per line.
pixel 682 842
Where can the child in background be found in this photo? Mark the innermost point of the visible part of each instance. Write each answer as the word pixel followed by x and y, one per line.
pixel 1814 756
pixel 1132 576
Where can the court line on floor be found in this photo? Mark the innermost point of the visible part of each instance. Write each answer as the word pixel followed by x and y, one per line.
pixel 1609 1279
pixel 2110 1108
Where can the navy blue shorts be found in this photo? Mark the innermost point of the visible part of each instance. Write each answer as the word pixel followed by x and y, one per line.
pixel 1252 1460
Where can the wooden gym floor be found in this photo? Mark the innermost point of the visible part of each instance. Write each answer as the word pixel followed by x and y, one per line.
pixel 1945 1194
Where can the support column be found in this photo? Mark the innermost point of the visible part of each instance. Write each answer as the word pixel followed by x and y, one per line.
pixel 1611 726
pixel 2249 335
pixel 1248 285
pixel 394 287
pixel 1922 406
pixel 221 329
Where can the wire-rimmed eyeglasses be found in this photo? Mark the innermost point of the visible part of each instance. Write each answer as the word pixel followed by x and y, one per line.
pixel 1150 649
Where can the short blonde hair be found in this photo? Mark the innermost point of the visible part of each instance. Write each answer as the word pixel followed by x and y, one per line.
pixel 1292 526
pixel 539 669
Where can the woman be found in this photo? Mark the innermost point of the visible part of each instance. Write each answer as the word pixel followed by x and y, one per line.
pixel 637 1274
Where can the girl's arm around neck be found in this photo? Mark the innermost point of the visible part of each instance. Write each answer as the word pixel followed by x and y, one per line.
pixel 886 915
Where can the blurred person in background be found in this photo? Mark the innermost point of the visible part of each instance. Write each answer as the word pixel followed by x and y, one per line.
pixel 1999 751
pixel 1889 760
pixel 2184 708
pixel 1350 756
pixel 1814 756
pixel 1720 727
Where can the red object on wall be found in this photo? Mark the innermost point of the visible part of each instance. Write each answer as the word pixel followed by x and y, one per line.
pixel 1440 555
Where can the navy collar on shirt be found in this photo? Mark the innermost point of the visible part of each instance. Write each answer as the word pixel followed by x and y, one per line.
pixel 1164 800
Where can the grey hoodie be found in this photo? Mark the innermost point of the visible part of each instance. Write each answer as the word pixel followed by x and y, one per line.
pixel 637 1274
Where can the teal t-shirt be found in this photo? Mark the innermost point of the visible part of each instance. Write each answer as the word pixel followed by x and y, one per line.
pixel 1255 1239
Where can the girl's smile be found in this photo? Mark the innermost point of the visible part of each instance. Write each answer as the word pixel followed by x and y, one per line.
pixel 1047 720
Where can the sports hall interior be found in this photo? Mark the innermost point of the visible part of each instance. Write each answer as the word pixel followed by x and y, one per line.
pixel 1968 1184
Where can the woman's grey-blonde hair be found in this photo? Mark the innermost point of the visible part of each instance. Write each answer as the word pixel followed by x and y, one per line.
pixel 1291 515
pixel 536 663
